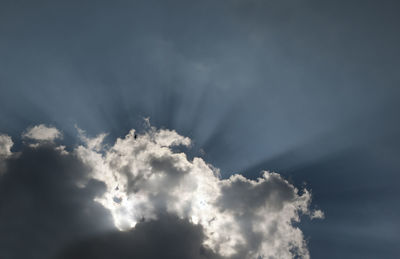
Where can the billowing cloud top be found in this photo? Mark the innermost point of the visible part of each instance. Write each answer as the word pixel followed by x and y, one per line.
pixel 42 133
pixel 146 179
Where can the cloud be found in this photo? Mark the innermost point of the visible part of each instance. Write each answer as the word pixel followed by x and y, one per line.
pixel 42 133
pixel 159 202
pixel 5 145
pixel 241 218
pixel 168 237
pixel 42 208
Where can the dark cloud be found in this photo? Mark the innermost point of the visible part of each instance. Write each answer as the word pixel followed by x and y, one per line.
pixel 168 237
pixel 41 206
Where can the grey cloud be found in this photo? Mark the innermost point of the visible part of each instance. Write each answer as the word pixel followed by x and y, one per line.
pixel 168 237
pixel 240 194
pixel 41 206
pixel 250 201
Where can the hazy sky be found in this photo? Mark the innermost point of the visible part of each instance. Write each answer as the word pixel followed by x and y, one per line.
pixel 308 89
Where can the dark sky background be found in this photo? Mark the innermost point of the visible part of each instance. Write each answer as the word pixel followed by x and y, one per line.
pixel 306 88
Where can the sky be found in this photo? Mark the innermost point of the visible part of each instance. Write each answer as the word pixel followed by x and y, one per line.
pixel 220 93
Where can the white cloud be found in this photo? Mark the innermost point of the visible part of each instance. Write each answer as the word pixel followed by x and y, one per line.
pixel 146 178
pixel 42 133
pixel 241 218
pixel 5 145
pixel 91 143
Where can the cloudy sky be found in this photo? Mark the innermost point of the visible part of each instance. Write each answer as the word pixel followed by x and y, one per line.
pixel 238 129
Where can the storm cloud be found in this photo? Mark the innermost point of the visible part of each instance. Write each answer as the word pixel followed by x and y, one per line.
pixel 142 197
